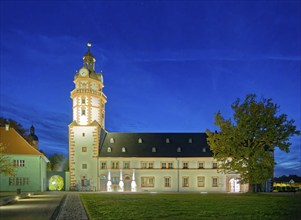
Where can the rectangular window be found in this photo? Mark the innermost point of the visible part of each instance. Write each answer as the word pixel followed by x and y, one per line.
pixel 214 181
pixel 103 165
pixel 201 165
pixel 143 165
pixel 84 166
pixel 19 163
pixel 115 180
pixel 147 181
pixel 150 165
pixel 185 165
pixel 185 181
pixel 84 149
pixel 214 165
pixel 83 111
pixel 170 165
pixel 84 134
pixel 167 182
pixel 201 181
pixel 126 165
pixel 115 165
pixel 163 165
pixel 83 101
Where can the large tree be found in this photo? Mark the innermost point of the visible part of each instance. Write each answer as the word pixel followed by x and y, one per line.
pixel 6 165
pixel 246 144
pixel 58 162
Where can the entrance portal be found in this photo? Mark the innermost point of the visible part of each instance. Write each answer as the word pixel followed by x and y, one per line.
pixel 234 185
pixel 56 182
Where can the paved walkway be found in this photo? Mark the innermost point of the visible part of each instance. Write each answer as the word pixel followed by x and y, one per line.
pixel 72 208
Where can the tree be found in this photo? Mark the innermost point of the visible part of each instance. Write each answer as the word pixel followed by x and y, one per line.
pixel 58 162
pixel 246 146
pixel 6 165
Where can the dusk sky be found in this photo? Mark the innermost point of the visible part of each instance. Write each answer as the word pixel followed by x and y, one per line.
pixel 168 66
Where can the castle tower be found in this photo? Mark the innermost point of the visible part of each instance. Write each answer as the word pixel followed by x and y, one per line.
pixel 33 138
pixel 88 101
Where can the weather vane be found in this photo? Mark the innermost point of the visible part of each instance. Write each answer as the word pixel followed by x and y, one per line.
pixel 89 44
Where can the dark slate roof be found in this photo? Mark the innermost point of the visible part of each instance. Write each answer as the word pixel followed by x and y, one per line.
pixel 129 141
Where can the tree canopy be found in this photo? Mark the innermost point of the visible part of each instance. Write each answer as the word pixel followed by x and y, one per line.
pixel 246 144
pixel 58 162
pixel 6 165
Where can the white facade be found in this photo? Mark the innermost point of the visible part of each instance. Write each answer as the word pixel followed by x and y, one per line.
pixel 94 168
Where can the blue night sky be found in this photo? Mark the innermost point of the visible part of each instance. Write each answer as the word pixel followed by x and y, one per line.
pixel 168 66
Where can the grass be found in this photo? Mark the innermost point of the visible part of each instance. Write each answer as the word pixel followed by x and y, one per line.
pixel 192 206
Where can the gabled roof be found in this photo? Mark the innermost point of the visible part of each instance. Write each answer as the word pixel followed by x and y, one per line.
pixel 154 145
pixel 15 143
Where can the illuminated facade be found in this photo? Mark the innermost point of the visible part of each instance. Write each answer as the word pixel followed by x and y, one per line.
pixel 106 161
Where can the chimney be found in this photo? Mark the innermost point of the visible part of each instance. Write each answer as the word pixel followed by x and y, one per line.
pixel 6 127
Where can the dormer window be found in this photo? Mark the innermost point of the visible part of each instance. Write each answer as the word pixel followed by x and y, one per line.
pixel 179 150
pixel 154 150
pixel 190 140
pixel 109 150
pixel 140 141
pixel 112 141
pixel 123 149
pixel 204 149
pixel 167 141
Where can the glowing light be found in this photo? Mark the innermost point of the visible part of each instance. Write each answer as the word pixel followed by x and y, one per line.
pixel 56 182
pixel 89 44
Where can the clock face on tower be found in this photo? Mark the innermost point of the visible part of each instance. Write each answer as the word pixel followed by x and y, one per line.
pixel 84 71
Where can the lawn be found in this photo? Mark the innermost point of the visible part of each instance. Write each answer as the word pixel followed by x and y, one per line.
pixel 192 206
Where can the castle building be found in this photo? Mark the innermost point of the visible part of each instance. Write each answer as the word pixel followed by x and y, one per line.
pixel 134 162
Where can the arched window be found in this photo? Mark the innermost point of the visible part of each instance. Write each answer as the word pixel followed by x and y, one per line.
pixel 109 149
pixel 140 140
pixel 112 141
pixel 167 140
pixel 123 149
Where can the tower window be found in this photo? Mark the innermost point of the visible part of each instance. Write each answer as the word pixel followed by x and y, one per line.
pixel 83 111
pixel 112 141
pixel 83 101
pixel 84 134
pixel 84 166
pixel 84 149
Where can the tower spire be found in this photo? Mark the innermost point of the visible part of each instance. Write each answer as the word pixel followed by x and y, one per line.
pixel 89 60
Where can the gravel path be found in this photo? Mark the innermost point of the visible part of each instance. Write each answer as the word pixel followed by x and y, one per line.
pixel 72 208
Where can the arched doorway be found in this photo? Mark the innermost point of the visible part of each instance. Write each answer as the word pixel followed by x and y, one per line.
pixel 56 183
pixel 103 183
pixel 234 185
pixel 127 183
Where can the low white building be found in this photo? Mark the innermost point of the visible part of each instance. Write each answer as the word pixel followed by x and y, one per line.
pixel 105 161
